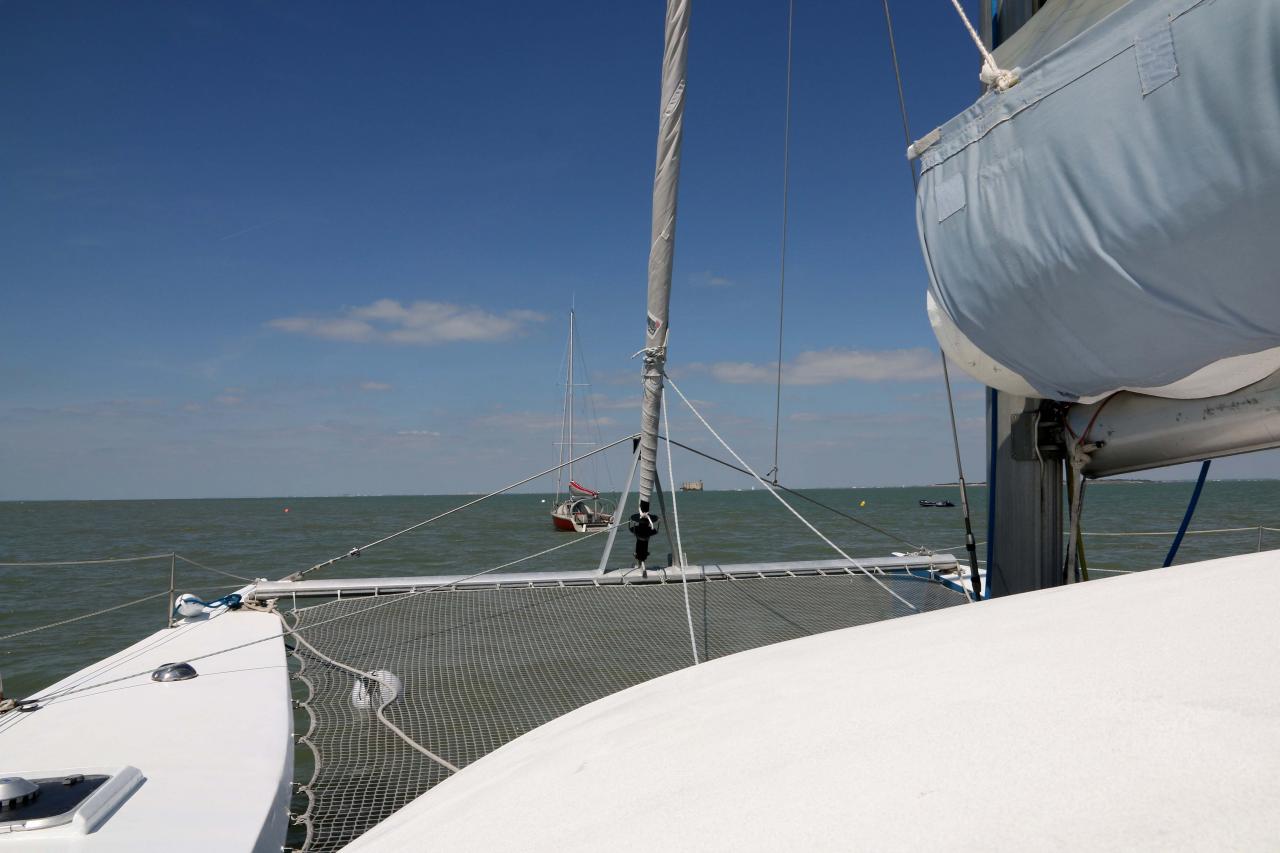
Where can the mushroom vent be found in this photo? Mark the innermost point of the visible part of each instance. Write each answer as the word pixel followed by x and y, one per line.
pixel 16 791
pixel 38 803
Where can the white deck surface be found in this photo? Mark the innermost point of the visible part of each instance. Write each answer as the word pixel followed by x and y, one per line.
pixel 1140 712
pixel 216 751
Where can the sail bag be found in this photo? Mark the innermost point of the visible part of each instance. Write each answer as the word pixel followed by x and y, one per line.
pixel 1113 220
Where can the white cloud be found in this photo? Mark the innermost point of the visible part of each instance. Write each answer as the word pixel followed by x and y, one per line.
pixel 419 433
pixel 521 421
pixel 601 401
pixel 371 385
pixel 419 323
pixel 710 279
pixel 826 367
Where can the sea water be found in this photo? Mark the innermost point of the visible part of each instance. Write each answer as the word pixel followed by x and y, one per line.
pixel 273 537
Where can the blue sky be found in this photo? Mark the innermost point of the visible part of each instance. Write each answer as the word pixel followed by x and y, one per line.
pixel 285 248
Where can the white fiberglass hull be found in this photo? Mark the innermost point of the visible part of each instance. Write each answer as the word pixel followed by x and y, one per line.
pixel 215 752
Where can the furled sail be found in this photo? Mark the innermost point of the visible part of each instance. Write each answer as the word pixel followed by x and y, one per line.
pixel 577 489
pixel 1110 222
pixel 666 183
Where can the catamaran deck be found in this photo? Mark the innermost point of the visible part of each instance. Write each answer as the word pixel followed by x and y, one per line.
pixel 1132 713
pixel 215 752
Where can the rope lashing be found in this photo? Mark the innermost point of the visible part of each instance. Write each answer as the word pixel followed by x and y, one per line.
pixel 991 75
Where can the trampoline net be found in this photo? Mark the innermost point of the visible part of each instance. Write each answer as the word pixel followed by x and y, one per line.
pixel 481 666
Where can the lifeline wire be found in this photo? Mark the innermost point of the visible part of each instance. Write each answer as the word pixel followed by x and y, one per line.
pixel 91 562
pixel 356 552
pixel 781 499
pixel 289 631
pixel 212 569
pixel 84 616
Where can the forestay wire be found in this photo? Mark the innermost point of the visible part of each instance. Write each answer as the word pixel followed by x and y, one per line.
pixel 356 552
pixel 782 264
pixel 920 549
pixel 974 576
pixel 783 500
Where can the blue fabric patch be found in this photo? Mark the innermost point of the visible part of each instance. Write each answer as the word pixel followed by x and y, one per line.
pixel 949 197
pixel 1153 51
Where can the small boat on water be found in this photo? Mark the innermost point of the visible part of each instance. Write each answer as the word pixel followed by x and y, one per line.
pixel 582 510
pixel 935 504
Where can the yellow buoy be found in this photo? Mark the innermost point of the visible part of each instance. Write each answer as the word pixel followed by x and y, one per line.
pixel 862 503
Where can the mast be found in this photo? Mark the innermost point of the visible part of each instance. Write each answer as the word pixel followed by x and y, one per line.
pixel 661 251
pixel 563 443
pixel 569 402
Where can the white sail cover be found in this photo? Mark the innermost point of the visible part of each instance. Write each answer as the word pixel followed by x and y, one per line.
pixel 1113 221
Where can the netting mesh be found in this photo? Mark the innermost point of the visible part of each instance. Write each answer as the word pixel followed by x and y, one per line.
pixel 480 667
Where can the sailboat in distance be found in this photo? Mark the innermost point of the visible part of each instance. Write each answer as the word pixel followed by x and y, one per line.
pixel 582 510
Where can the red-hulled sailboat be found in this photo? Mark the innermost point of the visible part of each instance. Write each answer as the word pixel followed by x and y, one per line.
pixel 582 510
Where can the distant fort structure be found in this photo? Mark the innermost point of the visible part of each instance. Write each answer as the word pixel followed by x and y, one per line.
pixel 691 486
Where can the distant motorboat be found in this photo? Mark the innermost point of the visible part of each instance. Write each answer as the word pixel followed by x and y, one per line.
pixel 935 504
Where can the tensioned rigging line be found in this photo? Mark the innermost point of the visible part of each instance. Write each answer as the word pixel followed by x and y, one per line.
pixel 769 488
pixel 675 519
pixel 970 544
pixel 782 271
pixel 800 495
pixel 356 552
pixel 1191 510
pixel 58 694
pixel 591 413
pixel 164 556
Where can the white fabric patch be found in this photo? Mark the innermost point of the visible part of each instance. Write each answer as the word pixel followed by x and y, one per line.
pixel 948 196
pixel 1153 52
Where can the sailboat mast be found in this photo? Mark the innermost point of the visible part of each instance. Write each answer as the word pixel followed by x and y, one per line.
pixel 661 252
pixel 569 403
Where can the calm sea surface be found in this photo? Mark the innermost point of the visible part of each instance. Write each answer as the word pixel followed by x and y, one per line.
pixel 258 538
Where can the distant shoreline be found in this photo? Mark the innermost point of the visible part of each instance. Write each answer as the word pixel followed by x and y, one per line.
pixel 1116 481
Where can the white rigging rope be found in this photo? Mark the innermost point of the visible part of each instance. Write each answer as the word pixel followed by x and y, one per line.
pixel 84 616
pixel 212 569
pixel 292 632
pixel 356 552
pixel 164 556
pixel 992 75
pixel 382 718
pixel 675 523
pixel 783 500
